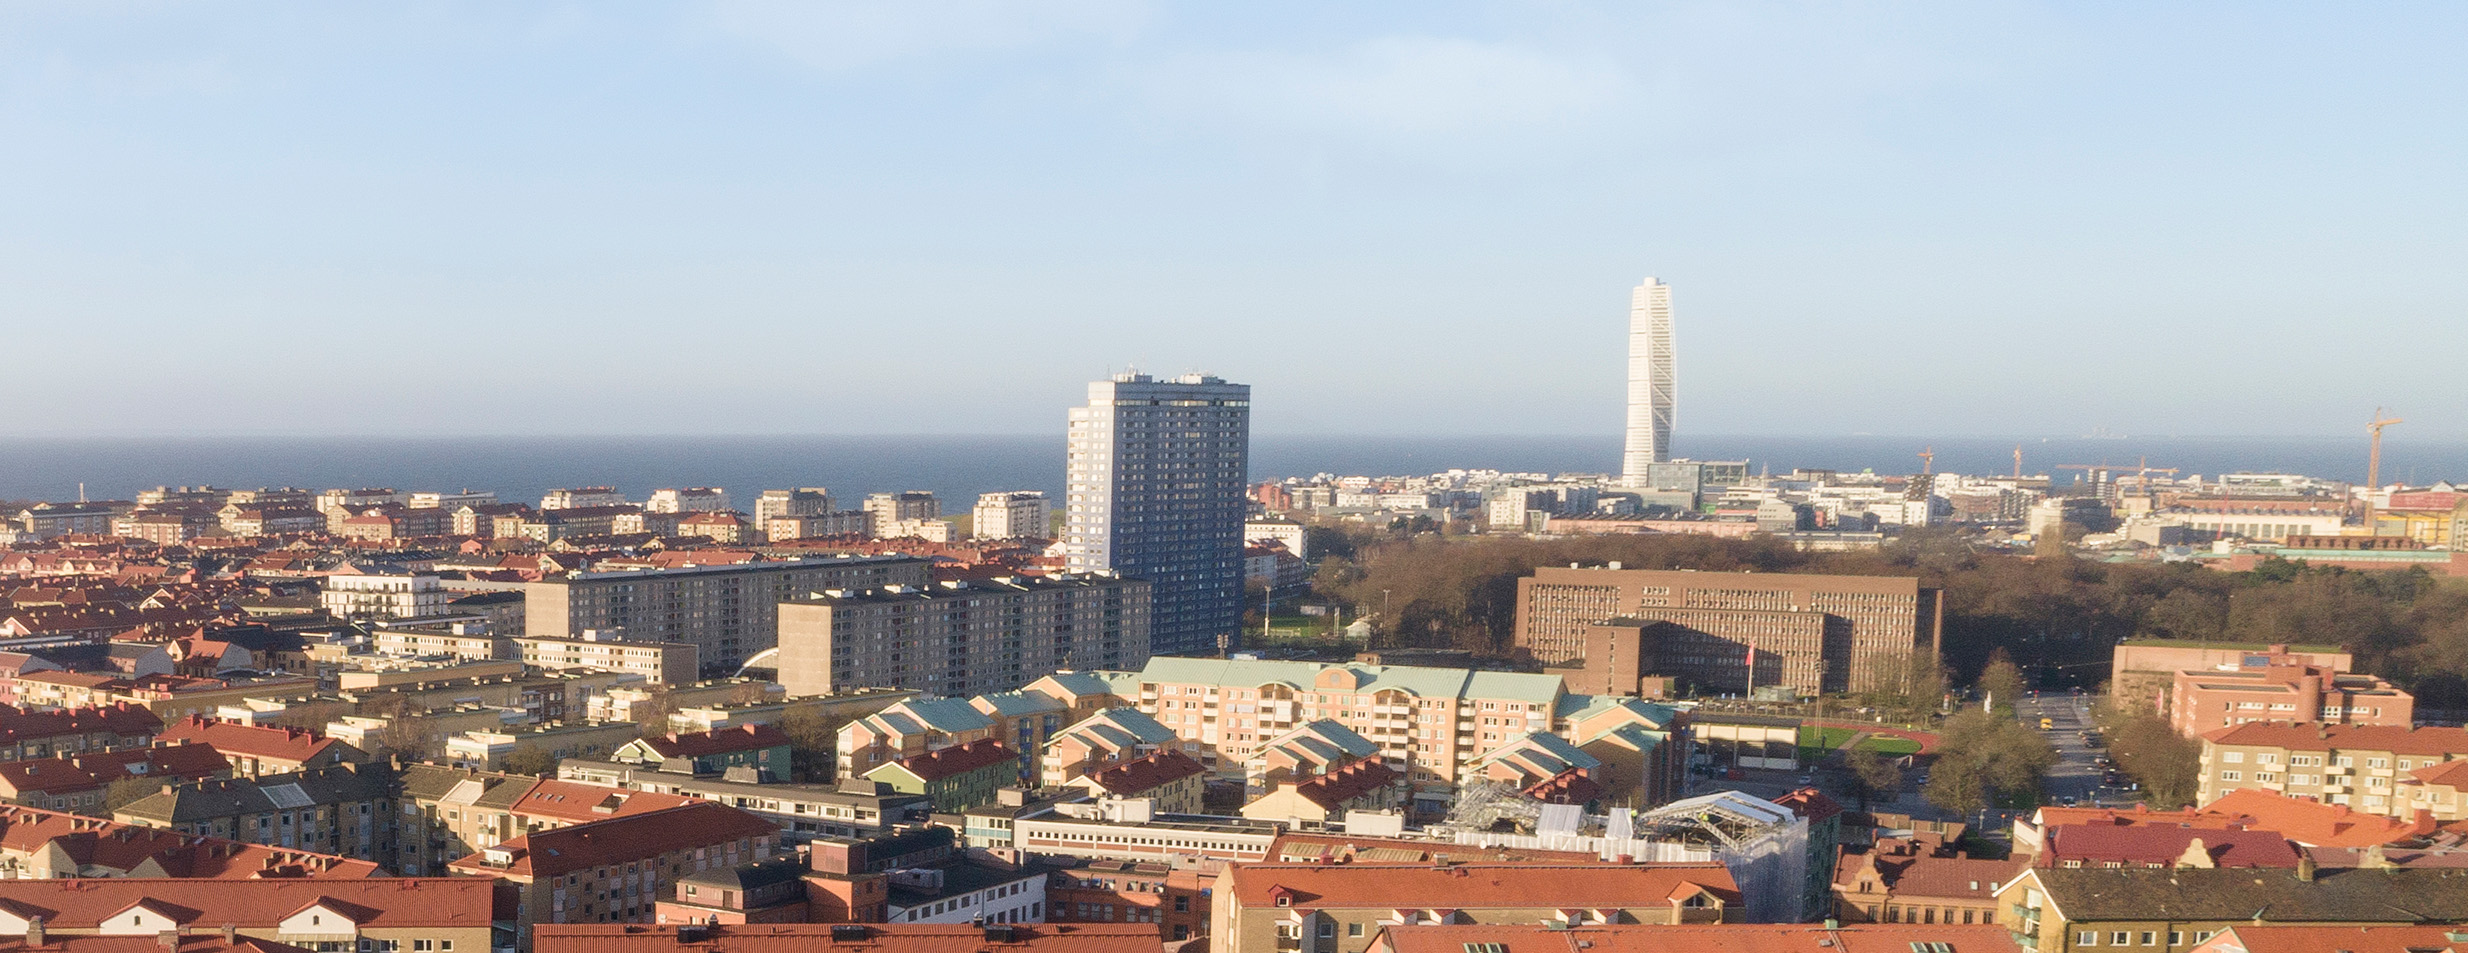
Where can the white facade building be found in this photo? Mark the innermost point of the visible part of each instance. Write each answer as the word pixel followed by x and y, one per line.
pixel 1287 532
pixel 1013 515
pixel 692 499
pixel 1156 470
pixel 1650 381
pixel 383 595
pixel 582 498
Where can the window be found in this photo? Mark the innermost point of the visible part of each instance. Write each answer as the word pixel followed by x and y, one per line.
pixel 1328 930
pixel 2087 938
pixel 2176 938
pixel 1353 929
pixel 2230 776
pixel 2119 938
pixel 2232 757
pixel 2150 938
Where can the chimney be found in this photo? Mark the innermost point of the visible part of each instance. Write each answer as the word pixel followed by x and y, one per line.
pixel 169 940
pixel 2305 867
pixel 34 931
pixel 231 934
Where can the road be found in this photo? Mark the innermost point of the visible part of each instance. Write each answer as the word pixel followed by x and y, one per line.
pixel 2076 774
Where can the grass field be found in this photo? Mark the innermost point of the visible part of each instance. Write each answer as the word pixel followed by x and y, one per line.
pixel 1825 739
pixel 1882 744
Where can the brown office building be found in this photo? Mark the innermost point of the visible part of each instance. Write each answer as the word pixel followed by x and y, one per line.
pixel 1611 627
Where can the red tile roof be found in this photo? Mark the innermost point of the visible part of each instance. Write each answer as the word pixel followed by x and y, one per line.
pixel 724 741
pixel 2449 774
pixel 876 938
pixel 1140 775
pixel 1385 850
pixel 957 760
pixel 2312 823
pixel 1926 876
pixel 383 903
pixel 580 803
pixel 1701 938
pixel 189 943
pixel 1333 788
pixel 552 853
pixel 254 741
pixel 2126 817
pixel 2295 939
pixel 17 724
pixel 1542 886
pixel 91 770
pixel 125 848
pixel 2312 737
pixel 2147 845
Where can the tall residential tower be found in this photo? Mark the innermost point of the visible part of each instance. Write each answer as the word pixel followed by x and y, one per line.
pixel 1649 381
pixel 1156 476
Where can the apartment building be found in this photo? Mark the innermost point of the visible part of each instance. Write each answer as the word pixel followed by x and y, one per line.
pixel 851 808
pixel 412 915
pixel 583 496
pixel 870 938
pixel 617 870
pixel 2365 767
pixel 659 663
pixel 1155 478
pixel 728 613
pixel 78 782
pixel 1812 633
pixel 2144 671
pixel 1018 514
pixel 1341 908
pixel 802 501
pixel 455 640
pixel 962 637
pixel 255 751
pixel 2276 688
pixel 48 845
pixel 889 508
pixel 692 499
pixel 2064 910
pixel 383 594
pixel 64 731
pixel 346 810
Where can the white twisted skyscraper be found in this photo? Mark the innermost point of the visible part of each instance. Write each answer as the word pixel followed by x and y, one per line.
pixel 1649 381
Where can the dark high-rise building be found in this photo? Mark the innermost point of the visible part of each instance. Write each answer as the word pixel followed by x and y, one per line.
pixel 1157 472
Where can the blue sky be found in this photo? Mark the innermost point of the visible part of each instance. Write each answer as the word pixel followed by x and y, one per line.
pixel 752 217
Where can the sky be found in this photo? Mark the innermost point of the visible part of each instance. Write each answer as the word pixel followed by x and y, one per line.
pixel 749 217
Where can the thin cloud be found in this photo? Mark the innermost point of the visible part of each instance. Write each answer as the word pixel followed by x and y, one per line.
pixel 854 34
pixel 1399 84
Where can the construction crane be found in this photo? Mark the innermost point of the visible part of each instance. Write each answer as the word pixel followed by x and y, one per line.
pixel 2142 476
pixel 1928 461
pixel 2373 459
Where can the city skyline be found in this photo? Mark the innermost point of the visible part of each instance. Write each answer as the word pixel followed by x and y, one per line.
pixel 2018 218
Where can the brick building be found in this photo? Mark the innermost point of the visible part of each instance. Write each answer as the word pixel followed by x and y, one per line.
pixel 1812 633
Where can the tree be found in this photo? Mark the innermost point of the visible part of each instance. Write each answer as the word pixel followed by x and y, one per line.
pixel 2001 681
pixel 129 790
pixel 532 760
pixel 1983 757
pixel 813 743
pixel 1871 774
pixel 2167 765
pixel 652 714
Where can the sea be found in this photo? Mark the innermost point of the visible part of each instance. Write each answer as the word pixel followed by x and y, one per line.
pixel 957 468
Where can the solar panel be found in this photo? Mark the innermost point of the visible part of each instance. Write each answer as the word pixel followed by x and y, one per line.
pixel 288 795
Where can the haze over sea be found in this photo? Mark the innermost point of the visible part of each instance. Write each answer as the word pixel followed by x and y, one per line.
pixel 960 467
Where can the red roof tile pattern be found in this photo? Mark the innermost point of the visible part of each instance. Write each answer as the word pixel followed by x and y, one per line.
pixel 2312 823
pixel 1490 886
pixel 125 848
pixel 1140 775
pixel 580 803
pixel 2312 737
pixel 702 744
pixel 1333 788
pixel 2148 845
pixel 875 938
pixel 1703 938
pixel 96 769
pixel 958 760
pixel 382 903
pixel 553 853
pixel 2253 938
pixel 19 725
pixel 255 741
pixel 1340 848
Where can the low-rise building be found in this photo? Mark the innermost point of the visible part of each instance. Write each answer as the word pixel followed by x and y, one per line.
pixel 870 938
pixel 2063 910
pixel 346 810
pixel 78 782
pixel 1315 908
pixel 2362 766
pixel 617 870
pixel 1697 938
pixel 851 808
pixel 1918 880
pixel 486 750
pixel 762 748
pixel 1168 779
pixel 659 663
pixel 255 750
pixel 955 777
pixel 48 845
pixel 2276 688
pixel 54 732
pixel 436 915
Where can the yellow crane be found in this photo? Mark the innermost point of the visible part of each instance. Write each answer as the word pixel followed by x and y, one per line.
pixel 2373 459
